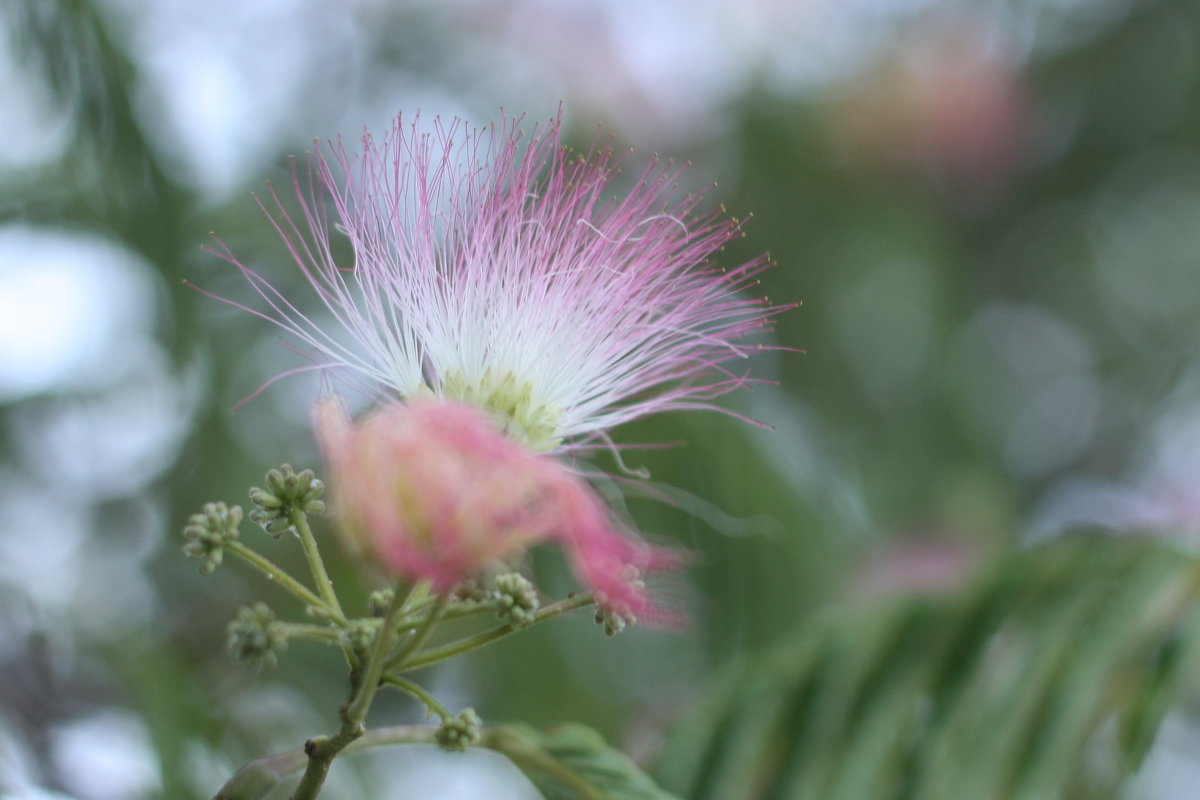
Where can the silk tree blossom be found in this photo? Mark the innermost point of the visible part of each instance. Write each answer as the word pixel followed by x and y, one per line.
pixel 498 269
pixel 431 490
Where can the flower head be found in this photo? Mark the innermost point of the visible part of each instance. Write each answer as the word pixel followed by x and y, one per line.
pixel 431 490
pixel 492 283
pixel 497 269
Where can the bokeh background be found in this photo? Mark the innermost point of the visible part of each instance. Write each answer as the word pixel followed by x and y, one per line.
pixel 990 213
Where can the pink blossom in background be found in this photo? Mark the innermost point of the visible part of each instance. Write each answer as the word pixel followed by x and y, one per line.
pixel 498 268
pixel 431 490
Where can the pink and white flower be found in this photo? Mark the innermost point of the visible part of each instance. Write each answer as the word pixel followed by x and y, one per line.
pixel 515 309
pixel 499 269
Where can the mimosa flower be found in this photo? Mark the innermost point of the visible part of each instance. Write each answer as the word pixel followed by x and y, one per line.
pixel 500 270
pixel 500 304
pixel 431 490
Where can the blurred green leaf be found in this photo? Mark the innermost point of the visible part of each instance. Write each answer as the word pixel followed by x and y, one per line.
pixel 994 693
pixel 573 762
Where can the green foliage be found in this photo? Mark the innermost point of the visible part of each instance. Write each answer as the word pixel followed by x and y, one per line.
pixel 573 762
pixel 995 693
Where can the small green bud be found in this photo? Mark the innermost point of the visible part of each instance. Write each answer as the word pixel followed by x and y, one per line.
pixel 516 599
pixel 361 633
pixel 613 621
pixel 379 601
pixel 473 590
pixel 264 499
pixel 461 732
pixel 255 637
pixel 287 492
pixel 208 532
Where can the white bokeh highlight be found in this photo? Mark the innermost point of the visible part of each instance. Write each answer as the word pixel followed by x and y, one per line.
pixel 69 302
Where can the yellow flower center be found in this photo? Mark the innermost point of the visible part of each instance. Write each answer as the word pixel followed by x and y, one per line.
pixel 511 403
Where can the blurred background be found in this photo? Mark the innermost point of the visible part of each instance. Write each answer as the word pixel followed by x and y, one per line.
pixel 989 212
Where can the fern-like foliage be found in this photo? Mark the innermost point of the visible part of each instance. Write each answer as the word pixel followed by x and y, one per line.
pixel 1046 678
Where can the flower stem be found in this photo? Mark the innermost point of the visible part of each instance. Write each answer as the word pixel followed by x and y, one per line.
pixel 276 573
pixel 368 683
pixel 324 585
pixel 420 636
pixel 321 751
pixel 256 779
pixel 320 576
pixel 466 645
pixel 456 610
pixel 417 691
pixel 321 633
pixel 418 597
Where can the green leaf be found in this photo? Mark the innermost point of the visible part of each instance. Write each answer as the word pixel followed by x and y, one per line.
pixel 1155 690
pixel 573 762
pixel 993 693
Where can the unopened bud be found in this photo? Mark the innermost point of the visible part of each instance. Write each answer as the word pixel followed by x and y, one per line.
pixel 616 617
pixel 255 637
pixel 473 590
pixel 361 633
pixel 613 620
pixel 379 601
pixel 516 599
pixel 460 733
pixel 208 532
pixel 288 492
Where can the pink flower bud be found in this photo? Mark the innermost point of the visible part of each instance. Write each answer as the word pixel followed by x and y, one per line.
pixel 432 490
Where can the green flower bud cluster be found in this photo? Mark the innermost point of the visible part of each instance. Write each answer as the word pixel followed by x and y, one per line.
pixel 361 633
pixel 516 599
pixel 461 732
pixel 287 492
pixel 613 621
pixel 473 590
pixel 255 637
pixel 209 531
pixel 616 620
pixel 379 601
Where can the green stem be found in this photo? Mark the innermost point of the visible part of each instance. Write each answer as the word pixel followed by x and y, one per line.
pixel 420 636
pixel 320 576
pixel 457 648
pixel 256 779
pixel 277 574
pixel 320 752
pixel 323 750
pixel 419 692
pixel 324 585
pixel 453 611
pixel 298 630
pixel 419 596
pixel 356 709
